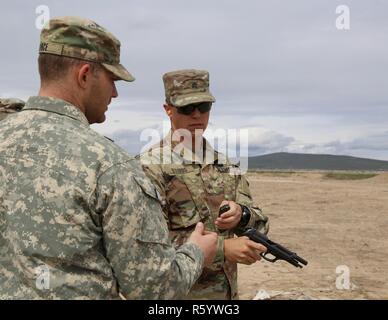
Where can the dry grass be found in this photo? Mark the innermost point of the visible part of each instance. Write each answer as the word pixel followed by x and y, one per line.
pixel 329 222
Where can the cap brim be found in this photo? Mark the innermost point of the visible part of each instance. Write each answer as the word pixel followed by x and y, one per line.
pixel 119 71
pixel 184 100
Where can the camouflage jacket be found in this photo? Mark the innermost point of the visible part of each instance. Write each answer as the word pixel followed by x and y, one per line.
pixel 192 191
pixel 78 217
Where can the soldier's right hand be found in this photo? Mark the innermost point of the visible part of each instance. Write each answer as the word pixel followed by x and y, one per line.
pixel 242 250
pixel 206 240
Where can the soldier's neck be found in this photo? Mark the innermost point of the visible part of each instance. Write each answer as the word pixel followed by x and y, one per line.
pixel 59 92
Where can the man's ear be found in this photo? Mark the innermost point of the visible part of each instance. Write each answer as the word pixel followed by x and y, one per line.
pixel 168 109
pixel 84 74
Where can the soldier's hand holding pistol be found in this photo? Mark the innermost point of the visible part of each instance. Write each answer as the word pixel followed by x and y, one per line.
pixel 241 249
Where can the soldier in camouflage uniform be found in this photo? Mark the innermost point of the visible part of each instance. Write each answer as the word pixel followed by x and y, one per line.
pixel 78 217
pixel 195 181
pixel 8 106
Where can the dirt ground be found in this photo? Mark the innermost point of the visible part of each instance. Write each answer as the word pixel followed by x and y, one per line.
pixel 339 226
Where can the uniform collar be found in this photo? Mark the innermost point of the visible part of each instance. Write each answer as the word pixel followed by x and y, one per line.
pixel 209 156
pixel 57 106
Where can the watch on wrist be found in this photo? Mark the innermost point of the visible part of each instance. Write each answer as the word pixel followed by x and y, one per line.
pixel 245 216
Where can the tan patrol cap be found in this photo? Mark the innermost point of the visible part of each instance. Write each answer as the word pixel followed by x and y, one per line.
pixel 183 87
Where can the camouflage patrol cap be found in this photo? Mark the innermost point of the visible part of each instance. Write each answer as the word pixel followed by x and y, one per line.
pixel 184 87
pixel 8 106
pixel 11 104
pixel 85 40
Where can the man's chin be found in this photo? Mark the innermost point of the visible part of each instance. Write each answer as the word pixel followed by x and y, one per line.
pixel 197 131
pixel 101 119
pixel 196 127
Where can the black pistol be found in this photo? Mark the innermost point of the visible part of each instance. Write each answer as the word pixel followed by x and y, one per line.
pixel 276 250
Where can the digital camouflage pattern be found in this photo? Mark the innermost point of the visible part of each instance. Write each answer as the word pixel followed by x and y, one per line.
pixel 183 87
pixel 83 39
pixel 8 106
pixel 76 206
pixel 192 191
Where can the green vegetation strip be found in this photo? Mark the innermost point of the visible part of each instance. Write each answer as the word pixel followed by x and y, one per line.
pixel 274 173
pixel 350 176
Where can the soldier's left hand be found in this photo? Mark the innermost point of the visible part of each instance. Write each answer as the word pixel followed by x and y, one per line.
pixel 229 219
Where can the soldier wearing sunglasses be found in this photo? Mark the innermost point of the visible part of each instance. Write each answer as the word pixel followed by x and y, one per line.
pixel 194 181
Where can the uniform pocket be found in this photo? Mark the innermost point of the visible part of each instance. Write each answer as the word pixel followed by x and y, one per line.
pixel 181 192
pixel 221 181
pixel 152 226
pixel 148 187
pixel 182 210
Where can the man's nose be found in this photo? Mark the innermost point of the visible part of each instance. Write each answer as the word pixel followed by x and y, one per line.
pixel 196 114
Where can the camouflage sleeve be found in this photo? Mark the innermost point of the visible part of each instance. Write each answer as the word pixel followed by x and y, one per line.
pixel 136 241
pixel 258 220
pixel 219 258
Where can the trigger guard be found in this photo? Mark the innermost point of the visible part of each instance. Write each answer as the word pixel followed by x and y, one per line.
pixel 263 255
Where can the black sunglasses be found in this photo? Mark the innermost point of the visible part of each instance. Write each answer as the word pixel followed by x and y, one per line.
pixel 202 107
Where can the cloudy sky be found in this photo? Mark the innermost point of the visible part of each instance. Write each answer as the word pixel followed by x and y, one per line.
pixel 280 69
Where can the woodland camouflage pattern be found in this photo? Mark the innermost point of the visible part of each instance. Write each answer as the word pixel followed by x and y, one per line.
pixel 192 190
pixel 85 40
pixel 183 87
pixel 74 203
pixel 8 106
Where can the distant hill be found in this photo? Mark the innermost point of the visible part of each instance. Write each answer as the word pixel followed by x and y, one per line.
pixel 300 161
